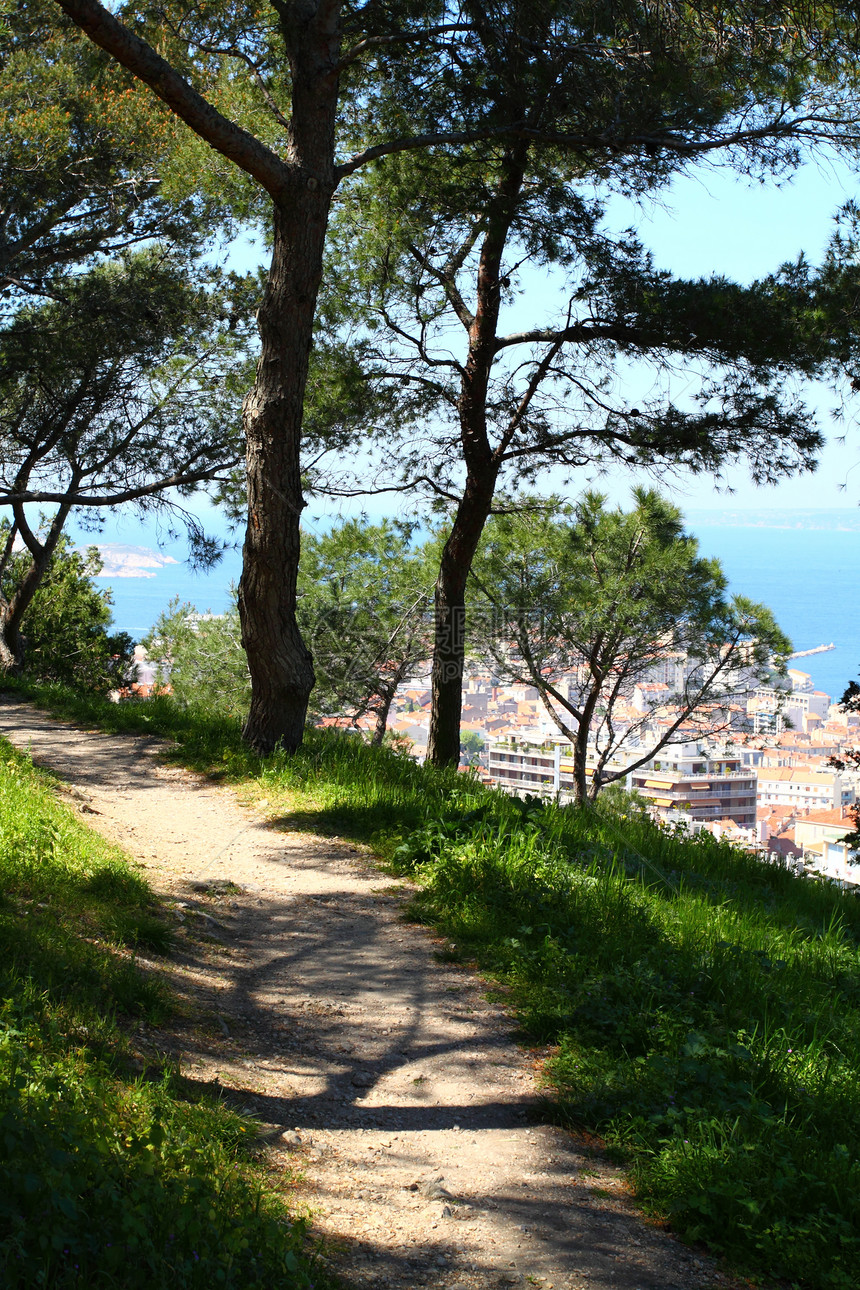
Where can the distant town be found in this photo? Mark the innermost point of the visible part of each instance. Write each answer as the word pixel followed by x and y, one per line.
pixel 776 779
pixel 768 783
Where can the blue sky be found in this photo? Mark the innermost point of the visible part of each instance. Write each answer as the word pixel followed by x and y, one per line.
pixel 716 223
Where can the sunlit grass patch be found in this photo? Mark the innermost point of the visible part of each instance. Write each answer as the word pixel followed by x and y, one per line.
pixel 108 1179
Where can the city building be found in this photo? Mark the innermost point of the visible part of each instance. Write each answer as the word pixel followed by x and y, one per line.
pixel 688 780
pixel 525 768
pixel 804 789
pixel 819 835
pixel 545 770
pixel 683 782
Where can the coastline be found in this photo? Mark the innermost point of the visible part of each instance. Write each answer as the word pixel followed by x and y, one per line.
pixel 807 575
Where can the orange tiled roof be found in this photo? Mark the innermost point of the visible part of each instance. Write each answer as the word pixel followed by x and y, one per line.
pixel 830 817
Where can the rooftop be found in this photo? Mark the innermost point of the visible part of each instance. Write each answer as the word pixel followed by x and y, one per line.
pixel 829 817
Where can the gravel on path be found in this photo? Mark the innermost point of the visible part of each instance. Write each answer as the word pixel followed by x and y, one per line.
pixel 386 1073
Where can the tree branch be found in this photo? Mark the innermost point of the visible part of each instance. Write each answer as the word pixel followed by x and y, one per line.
pixel 531 390
pixel 6 557
pixel 181 479
pixel 448 285
pixel 234 143
pixel 432 484
pixel 579 332
pixel 398 38
pixel 231 51
pixel 802 127
pixel 32 543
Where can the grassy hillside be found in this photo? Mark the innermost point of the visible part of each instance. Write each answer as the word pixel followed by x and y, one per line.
pixel 109 1178
pixel 704 1008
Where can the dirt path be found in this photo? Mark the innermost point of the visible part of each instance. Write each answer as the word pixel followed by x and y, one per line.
pixel 387 1073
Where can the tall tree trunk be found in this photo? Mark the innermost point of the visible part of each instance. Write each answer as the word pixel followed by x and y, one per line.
pixel 11 650
pixel 280 664
pixel 281 667
pixel 301 184
pixel 449 649
pixel 12 611
pixel 580 767
pixel 387 692
pixel 382 716
pixel 483 464
pixel 583 731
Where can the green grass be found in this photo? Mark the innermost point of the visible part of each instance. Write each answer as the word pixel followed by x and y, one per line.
pixel 108 1178
pixel 704 1008
pixel 707 1021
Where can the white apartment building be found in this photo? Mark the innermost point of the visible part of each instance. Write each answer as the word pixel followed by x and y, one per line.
pixel 545 770
pixel 525 768
pixel 766 722
pixel 820 835
pixel 803 789
pixel 814 703
pixel 683 780
pixel 793 702
pixel 688 780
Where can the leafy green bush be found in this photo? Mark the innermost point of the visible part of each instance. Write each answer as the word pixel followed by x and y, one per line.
pixel 66 629
pixel 202 659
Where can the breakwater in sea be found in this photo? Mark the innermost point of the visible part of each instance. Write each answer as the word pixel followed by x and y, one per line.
pixel 808 653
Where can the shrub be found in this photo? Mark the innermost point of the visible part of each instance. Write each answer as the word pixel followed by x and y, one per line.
pixel 66 629
pixel 201 657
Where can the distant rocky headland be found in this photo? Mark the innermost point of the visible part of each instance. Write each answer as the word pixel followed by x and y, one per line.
pixel 121 561
pixel 834 521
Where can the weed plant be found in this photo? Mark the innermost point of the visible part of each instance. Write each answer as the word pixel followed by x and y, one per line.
pixel 703 1007
pixel 108 1179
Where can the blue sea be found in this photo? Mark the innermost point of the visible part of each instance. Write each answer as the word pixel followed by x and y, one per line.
pixel 808 576
pixel 137 602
